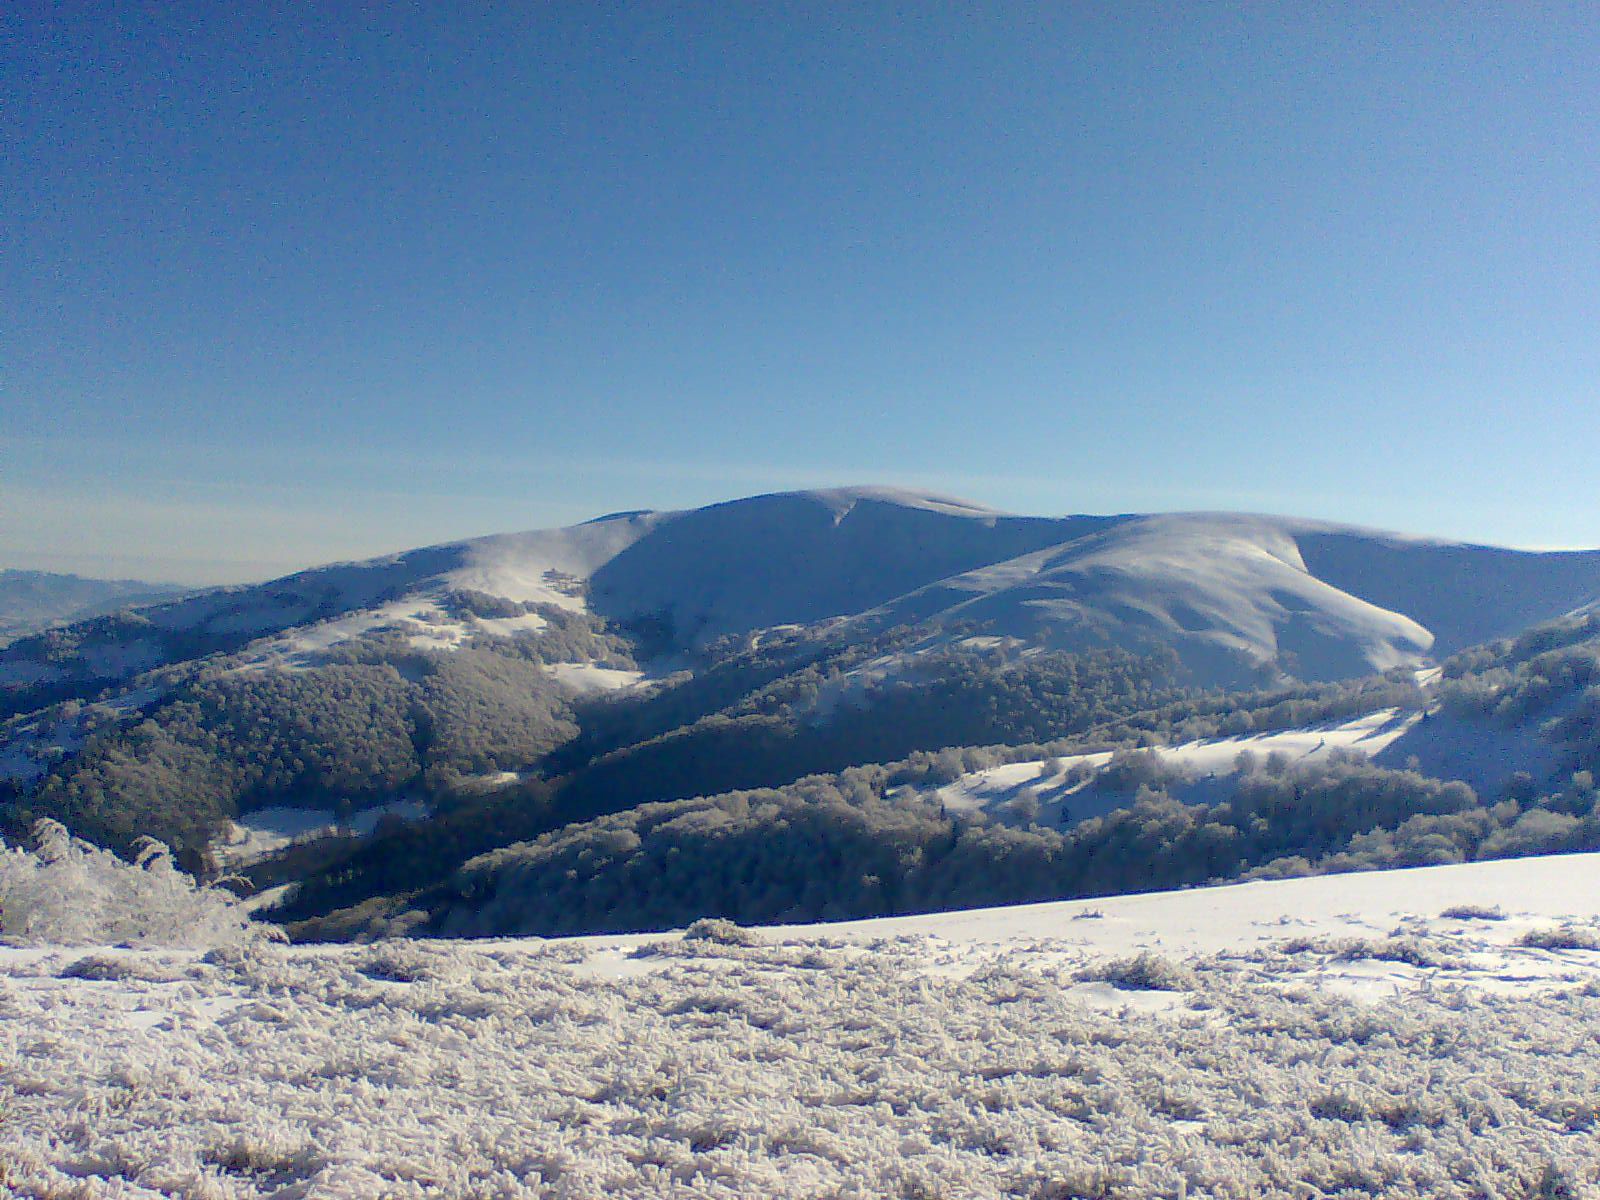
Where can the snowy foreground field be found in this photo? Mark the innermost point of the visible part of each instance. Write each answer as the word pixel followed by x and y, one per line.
pixel 1385 1035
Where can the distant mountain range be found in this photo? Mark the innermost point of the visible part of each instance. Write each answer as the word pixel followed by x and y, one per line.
pixel 518 685
pixel 1237 597
pixel 34 600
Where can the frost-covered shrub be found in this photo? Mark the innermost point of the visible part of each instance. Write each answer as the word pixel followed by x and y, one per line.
pixel 1563 937
pixel 1537 831
pixel 106 968
pixel 1473 912
pixel 1409 951
pixel 1130 770
pixel 402 962
pixel 722 932
pixel 1341 1104
pixel 67 892
pixel 1145 972
pixel 872 1072
pixel 272 1158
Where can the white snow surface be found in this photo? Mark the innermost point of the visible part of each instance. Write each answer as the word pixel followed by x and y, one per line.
pixel 842 500
pixel 545 564
pixel 591 677
pixel 1229 591
pixel 1304 1037
pixel 425 624
pixel 1532 892
pixel 1058 781
pixel 265 831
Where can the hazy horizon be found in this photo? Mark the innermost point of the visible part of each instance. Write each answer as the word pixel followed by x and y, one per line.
pixel 188 572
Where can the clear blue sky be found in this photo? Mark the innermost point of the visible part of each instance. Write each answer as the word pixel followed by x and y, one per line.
pixel 278 289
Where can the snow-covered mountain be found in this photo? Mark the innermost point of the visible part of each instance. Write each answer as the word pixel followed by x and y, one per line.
pixel 1228 592
pixel 34 600
pixel 852 703
pixel 1236 596
pixel 774 637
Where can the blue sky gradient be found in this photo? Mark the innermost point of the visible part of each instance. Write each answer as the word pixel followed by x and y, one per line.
pixel 276 291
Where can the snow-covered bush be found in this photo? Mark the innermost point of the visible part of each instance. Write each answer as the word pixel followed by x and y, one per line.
pixel 1410 951
pixel 1473 912
pixel 1144 972
pixel 67 892
pixel 721 931
pixel 1564 937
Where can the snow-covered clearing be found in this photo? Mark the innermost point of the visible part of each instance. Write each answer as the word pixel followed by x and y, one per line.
pixel 1065 791
pixel 591 677
pixel 509 627
pixel 1004 1053
pixel 267 830
pixel 425 624
pixel 32 744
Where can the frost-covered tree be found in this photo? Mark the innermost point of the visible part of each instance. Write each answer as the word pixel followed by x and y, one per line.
pixel 67 892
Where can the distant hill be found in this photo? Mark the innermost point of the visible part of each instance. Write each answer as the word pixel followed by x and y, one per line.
pixel 366 728
pixel 34 600
pixel 1238 598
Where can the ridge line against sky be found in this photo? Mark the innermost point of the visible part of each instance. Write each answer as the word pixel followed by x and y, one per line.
pixel 282 291
pixel 291 526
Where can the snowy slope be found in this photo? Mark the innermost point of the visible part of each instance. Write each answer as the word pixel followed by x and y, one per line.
pixel 288 622
pixel 33 600
pixel 1228 592
pixel 1065 789
pixel 264 831
pixel 1310 1037
pixel 1238 596
pixel 1235 595
pixel 542 566
pixel 805 556
pixel 1463 594
pixel 1530 893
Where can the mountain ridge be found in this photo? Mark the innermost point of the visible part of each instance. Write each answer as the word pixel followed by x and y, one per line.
pixel 33 600
pixel 1236 594
pixel 793 670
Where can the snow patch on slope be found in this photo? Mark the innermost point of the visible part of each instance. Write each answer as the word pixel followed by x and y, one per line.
pixel 1231 593
pixel 420 618
pixel 509 627
pixel 549 566
pixel 1063 790
pixel 265 831
pixel 591 677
